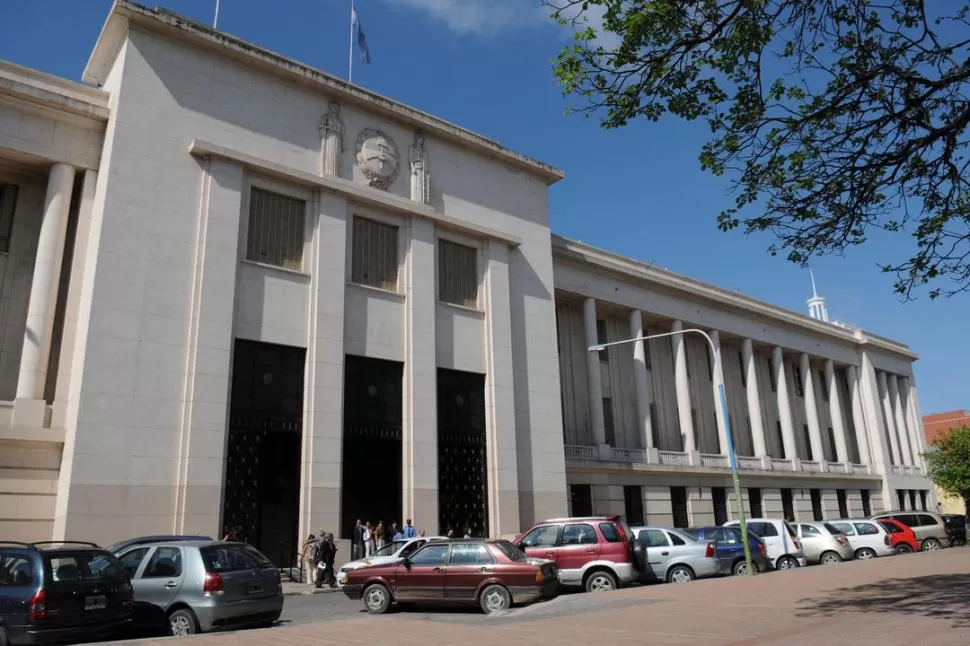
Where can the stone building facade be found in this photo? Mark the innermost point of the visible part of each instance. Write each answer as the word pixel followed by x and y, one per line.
pixel 238 292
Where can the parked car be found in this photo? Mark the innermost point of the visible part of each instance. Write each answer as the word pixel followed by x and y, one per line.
pixel 118 548
pixel 390 553
pixel 957 526
pixel 823 543
pixel 55 591
pixel 198 586
pixel 676 557
pixel 869 539
pixel 781 541
pixel 495 574
pixel 730 549
pixel 930 528
pixel 596 553
pixel 902 538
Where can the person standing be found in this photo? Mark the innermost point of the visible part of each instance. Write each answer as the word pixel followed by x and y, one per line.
pixel 323 556
pixel 408 529
pixel 328 574
pixel 357 547
pixel 309 558
pixel 379 536
pixel 368 539
pixel 396 534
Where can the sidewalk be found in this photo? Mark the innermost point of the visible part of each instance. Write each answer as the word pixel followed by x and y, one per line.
pixel 291 588
pixel 912 599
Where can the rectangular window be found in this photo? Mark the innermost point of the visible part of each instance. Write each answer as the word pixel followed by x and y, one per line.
pixel 843 504
pixel 912 499
pixel 823 385
pixel 901 498
pixel 787 505
pixel 744 372
pixel 754 501
pixel 678 504
pixel 831 434
pixel 646 351
pixel 797 378
pixel 922 500
pixel 581 497
pixel 374 254
pixel 655 425
pixel 808 442
pixel 816 504
pixel 772 379
pixel 866 507
pixel 608 421
pixel 276 224
pixel 601 338
pixel 719 500
pixel 457 274
pixel 633 504
pixel 8 201
pixel 710 366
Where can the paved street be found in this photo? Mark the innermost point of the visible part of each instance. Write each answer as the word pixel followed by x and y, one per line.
pixel 914 599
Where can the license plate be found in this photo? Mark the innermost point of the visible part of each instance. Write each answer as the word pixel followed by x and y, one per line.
pixel 95 603
pixel 256 588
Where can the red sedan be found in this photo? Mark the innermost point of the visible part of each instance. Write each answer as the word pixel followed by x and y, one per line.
pixel 903 538
pixel 493 574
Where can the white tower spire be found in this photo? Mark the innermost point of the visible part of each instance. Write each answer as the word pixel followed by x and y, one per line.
pixel 816 304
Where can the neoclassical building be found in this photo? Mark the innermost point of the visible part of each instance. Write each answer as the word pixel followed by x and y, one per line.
pixel 239 292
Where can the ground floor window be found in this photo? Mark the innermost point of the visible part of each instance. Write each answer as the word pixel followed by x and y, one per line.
pixel 633 504
pixel 866 506
pixel 816 504
pixel 678 503
pixel 922 500
pixel 912 499
pixel 754 500
pixel 719 500
pixel 581 500
pixel 843 504
pixel 787 505
pixel 901 499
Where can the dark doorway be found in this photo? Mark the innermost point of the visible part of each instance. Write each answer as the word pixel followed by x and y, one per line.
pixel 462 468
pixel 678 505
pixel 843 503
pixel 754 501
pixel 633 504
pixel 816 496
pixel 787 505
pixel 719 500
pixel 866 507
pixel 372 477
pixel 261 497
pixel 581 497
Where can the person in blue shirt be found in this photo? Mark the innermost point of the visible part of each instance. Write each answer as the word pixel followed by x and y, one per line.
pixel 408 529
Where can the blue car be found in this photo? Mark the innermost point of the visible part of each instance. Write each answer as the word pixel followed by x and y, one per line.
pixel 729 549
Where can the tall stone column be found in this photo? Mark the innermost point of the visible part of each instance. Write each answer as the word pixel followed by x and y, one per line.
pixel 859 416
pixel 901 427
pixel 642 379
pixel 718 378
pixel 888 417
pixel 811 408
pixel 915 423
pixel 784 403
pixel 43 296
pixel 754 399
pixel 835 411
pixel 682 384
pixel 594 378
pixel 882 457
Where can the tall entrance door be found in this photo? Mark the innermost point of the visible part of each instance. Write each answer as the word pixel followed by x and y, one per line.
pixel 261 497
pixel 462 466
pixel 372 475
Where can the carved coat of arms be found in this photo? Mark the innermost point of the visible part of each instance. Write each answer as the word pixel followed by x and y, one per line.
pixel 377 157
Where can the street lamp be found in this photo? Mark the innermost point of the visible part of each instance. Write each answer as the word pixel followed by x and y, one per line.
pixel 724 414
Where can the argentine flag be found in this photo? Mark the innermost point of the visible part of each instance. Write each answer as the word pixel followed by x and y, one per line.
pixel 361 39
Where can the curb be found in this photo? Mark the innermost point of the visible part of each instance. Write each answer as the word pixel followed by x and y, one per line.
pixel 311 591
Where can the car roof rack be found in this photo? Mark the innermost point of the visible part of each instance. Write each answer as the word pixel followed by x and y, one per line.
pixel 87 543
pixel 18 544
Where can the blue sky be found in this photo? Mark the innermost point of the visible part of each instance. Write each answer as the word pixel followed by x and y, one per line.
pixel 486 65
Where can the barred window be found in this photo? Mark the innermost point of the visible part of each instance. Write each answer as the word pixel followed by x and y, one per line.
pixel 374 255
pixel 8 200
pixel 457 274
pixel 276 224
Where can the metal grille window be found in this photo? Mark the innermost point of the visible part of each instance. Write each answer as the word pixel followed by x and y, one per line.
pixel 374 254
pixel 457 274
pixel 8 200
pixel 276 224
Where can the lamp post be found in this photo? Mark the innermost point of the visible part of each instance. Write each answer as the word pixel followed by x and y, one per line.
pixel 724 414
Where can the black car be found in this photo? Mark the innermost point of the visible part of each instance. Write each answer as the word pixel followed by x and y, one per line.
pixel 51 592
pixel 956 527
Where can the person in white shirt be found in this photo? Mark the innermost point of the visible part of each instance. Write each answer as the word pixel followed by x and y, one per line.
pixel 368 540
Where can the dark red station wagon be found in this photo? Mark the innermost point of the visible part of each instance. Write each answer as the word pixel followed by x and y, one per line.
pixel 493 574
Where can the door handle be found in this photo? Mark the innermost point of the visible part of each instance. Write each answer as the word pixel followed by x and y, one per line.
pixel 590 551
pixel 171 584
pixel 664 553
pixel 550 554
pixel 486 569
pixel 436 569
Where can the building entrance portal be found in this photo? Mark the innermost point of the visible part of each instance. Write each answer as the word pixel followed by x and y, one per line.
pixel 261 497
pixel 462 467
pixel 372 475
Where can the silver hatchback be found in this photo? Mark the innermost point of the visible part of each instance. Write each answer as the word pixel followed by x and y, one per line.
pixel 200 586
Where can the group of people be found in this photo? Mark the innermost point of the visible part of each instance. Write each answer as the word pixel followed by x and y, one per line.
pixel 319 553
pixel 368 537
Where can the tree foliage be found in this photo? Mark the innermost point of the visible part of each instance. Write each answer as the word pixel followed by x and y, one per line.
pixel 949 462
pixel 832 118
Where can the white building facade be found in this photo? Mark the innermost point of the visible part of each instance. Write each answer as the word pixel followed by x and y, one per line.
pixel 240 293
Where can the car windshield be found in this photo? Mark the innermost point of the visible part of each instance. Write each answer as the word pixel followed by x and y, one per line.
pixel 390 549
pixel 511 551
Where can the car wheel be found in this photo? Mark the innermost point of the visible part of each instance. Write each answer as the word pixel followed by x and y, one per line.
pixel 741 568
pixel 494 598
pixel 864 554
pixel 182 622
pixel 830 558
pixel 786 563
pixel 377 599
pixel 680 574
pixel 600 581
pixel 639 554
pixel 931 545
pixel 904 548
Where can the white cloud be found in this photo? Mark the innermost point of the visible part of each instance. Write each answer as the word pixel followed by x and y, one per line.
pixel 482 17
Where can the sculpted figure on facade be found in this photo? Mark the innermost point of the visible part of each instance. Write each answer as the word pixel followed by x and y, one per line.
pixel 377 157
pixel 333 139
pixel 420 177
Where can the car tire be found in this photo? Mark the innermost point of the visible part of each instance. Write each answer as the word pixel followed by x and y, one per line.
pixel 494 598
pixel 829 558
pixel 639 554
pixel 741 568
pixel 865 554
pixel 786 563
pixel 182 622
pixel 903 548
pixel 600 581
pixel 931 545
pixel 377 599
pixel 680 574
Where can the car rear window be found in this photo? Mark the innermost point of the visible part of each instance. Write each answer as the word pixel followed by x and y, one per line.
pixel 610 532
pixel 16 571
pixel 511 551
pixel 832 528
pixel 791 531
pixel 230 558
pixel 891 528
pixel 74 566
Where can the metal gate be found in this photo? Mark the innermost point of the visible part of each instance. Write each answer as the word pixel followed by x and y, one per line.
pixel 462 464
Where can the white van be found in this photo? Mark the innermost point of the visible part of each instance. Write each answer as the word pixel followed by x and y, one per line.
pixel 868 537
pixel 780 539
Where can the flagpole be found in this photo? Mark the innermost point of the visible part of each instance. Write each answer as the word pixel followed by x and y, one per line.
pixel 350 58
pixel 215 20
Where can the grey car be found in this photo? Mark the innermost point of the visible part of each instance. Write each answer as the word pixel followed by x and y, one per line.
pixel 676 557
pixel 824 543
pixel 200 586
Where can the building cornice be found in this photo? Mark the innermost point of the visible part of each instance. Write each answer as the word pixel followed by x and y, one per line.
pixel 630 269
pixel 124 14
pixel 26 86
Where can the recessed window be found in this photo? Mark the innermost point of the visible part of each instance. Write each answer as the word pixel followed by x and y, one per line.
pixel 744 372
pixel 457 274
pixel 601 338
pixel 8 201
pixel 276 225
pixel 374 254
pixel 823 385
pixel 797 378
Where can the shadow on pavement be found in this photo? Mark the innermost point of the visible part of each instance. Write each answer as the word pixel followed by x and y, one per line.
pixel 939 596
